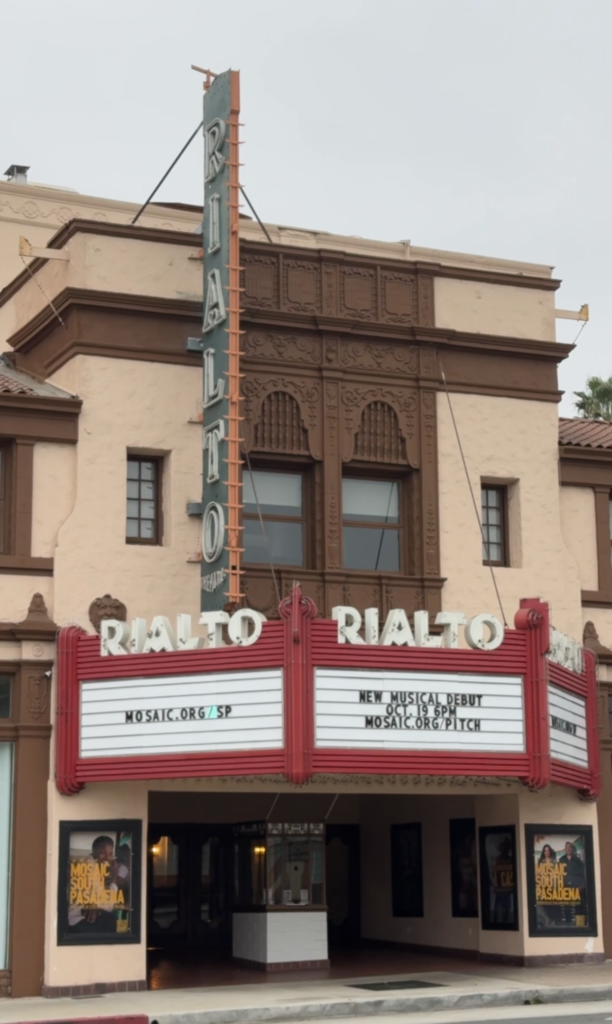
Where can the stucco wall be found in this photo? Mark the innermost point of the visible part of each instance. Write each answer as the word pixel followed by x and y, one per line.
pixel 54 494
pixel 578 526
pixel 37 212
pixel 145 408
pixel 513 312
pixel 129 266
pixel 510 440
pixel 85 965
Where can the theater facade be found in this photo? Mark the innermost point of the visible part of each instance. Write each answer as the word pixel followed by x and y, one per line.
pixel 392 736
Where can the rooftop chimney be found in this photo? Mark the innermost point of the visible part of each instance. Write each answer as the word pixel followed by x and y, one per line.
pixel 18 173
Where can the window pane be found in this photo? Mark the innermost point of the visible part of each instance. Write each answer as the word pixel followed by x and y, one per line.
pixel 5 697
pixel 493 553
pixel 146 529
pixel 132 469
pixel 147 471
pixel 146 489
pixel 371 549
pixel 284 539
pixel 371 501
pixel 491 497
pixel 132 489
pixel 279 494
pixel 132 509
pixel 147 510
pixel 131 528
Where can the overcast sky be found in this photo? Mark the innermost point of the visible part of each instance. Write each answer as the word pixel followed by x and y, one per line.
pixel 474 125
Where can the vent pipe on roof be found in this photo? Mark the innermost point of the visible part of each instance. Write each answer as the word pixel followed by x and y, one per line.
pixel 17 173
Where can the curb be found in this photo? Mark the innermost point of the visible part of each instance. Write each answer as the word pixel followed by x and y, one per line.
pixel 370 1007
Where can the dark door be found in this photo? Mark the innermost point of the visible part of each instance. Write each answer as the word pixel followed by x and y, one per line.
pixel 342 884
pixel 189 878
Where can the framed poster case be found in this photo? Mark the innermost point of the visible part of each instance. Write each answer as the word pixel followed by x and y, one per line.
pixel 99 882
pixel 560 880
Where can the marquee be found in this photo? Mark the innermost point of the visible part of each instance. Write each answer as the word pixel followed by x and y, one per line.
pixel 297 703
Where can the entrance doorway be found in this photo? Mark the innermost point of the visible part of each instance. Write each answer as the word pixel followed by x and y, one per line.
pixel 342 886
pixel 189 890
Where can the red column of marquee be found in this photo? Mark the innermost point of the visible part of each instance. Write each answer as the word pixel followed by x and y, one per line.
pixel 532 617
pixel 298 612
pixel 67 715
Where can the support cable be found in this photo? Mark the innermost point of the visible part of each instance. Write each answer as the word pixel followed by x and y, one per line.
pixel 261 523
pixel 172 165
pixel 43 293
pixel 485 540
pixel 256 215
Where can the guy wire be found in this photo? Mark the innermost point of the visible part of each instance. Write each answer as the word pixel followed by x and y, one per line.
pixel 471 489
pixel 43 293
pixel 248 461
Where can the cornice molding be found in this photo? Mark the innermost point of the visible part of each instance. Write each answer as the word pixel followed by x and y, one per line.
pixel 433 269
pixel 136 232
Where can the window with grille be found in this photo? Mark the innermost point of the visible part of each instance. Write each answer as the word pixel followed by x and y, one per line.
pixel 143 519
pixel 494 510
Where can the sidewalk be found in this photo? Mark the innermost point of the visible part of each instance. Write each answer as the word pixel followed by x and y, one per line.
pixel 292 1001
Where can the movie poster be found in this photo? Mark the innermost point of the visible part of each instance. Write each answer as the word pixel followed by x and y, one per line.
pixel 99 882
pixel 464 867
pixel 561 880
pixel 406 871
pixel 498 898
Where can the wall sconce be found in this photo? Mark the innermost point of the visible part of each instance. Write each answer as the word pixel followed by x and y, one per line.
pixel 155 850
pixel 259 850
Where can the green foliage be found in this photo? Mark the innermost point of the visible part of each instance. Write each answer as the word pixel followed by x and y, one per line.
pixel 596 402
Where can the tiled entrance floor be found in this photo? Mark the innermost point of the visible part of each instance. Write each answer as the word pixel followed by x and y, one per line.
pixel 202 968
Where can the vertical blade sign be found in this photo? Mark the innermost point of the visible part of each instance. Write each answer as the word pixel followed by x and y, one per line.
pixel 221 344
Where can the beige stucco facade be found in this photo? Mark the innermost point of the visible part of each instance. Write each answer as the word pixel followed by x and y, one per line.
pixel 152 407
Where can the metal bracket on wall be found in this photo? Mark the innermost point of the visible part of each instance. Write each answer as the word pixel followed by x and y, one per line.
pixel 569 314
pixel 194 344
pixel 27 249
pixel 194 508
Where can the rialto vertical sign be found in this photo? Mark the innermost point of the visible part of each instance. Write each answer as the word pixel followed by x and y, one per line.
pixel 221 338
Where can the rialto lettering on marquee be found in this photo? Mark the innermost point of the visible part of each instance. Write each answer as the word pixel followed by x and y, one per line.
pixel 483 632
pixel 243 629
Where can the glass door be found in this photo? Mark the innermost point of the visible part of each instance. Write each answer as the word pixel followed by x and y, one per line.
pixel 166 905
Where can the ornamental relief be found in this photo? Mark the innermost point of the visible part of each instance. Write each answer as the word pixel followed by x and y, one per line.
pixel 357 293
pixel 259 281
pixel 305 391
pixel 307 284
pixel 404 401
pixel 290 348
pixel 358 355
pixel 302 286
pixel 399 297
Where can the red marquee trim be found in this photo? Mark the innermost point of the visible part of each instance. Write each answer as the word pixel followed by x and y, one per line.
pixel 298 643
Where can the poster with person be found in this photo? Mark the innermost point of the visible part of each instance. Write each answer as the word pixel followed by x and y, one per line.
pixel 498 900
pixel 99 882
pixel 560 880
